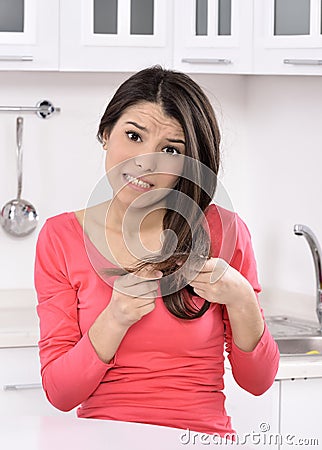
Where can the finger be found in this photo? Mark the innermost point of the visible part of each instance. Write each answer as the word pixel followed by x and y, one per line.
pixel 148 272
pixel 203 278
pixel 213 263
pixel 209 264
pixel 137 290
pixel 200 292
pixel 144 310
pixel 199 284
pixel 192 271
pixel 212 276
pixel 132 279
pixel 144 295
pixel 139 303
pixel 150 296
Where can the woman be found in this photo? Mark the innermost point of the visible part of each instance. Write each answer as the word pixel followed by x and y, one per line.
pixel 139 294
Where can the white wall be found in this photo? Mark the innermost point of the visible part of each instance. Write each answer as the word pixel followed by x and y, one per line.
pixel 284 165
pixel 272 137
pixel 61 157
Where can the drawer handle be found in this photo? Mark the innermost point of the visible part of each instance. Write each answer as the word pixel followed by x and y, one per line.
pixel 21 387
pixel 303 62
pixel 206 61
pixel 16 58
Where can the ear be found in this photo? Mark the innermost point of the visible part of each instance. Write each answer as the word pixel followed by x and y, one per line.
pixel 105 140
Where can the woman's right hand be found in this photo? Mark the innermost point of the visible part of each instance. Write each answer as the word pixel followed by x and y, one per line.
pixel 133 296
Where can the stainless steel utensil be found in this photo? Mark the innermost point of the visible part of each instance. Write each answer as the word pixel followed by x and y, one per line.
pixel 19 217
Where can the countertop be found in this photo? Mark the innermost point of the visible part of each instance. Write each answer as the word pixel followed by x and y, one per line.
pixel 67 433
pixel 19 328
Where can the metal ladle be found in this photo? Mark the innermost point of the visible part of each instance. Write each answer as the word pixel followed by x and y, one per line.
pixel 19 217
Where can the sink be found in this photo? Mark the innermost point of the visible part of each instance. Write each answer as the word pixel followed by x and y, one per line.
pixel 285 326
pixel 303 345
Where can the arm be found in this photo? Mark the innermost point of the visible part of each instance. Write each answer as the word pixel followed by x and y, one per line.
pixel 70 367
pixel 252 352
pixel 254 371
pixel 72 364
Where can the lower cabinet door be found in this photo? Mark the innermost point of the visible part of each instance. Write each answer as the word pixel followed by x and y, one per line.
pixel 301 402
pixel 254 418
pixel 21 392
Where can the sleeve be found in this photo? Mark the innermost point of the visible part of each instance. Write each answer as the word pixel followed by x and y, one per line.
pixel 254 371
pixel 70 367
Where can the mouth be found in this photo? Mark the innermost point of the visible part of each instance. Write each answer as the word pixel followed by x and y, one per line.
pixel 137 182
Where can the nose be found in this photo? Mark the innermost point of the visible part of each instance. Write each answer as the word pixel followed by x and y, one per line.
pixel 147 162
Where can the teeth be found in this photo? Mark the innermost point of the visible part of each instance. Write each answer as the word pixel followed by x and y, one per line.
pixel 136 181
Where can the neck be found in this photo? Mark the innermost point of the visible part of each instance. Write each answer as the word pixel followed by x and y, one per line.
pixel 133 220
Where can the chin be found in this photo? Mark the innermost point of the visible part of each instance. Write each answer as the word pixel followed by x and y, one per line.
pixel 151 199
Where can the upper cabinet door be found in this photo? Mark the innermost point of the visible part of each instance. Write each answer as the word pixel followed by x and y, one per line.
pixel 288 37
pixel 115 35
pixel 29 34
pixel 213 36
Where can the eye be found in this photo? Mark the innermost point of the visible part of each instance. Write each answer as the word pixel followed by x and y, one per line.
pixel 134 136
pixel 171 151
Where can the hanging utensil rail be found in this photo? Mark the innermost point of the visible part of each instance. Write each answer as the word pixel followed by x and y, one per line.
pixel 43 109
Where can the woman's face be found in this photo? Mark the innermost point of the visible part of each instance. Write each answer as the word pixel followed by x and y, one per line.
pixel 145 154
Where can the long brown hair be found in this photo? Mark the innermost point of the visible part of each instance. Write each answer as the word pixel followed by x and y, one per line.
pixel 182 99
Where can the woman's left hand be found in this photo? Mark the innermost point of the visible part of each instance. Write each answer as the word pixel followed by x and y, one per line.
pixel 218 282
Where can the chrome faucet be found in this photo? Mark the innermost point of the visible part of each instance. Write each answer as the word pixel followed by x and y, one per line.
pixel 303 230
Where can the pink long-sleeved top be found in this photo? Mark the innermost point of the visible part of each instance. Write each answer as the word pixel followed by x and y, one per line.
pixel 166 371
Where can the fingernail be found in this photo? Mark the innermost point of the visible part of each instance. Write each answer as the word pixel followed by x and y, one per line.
pixel 158 273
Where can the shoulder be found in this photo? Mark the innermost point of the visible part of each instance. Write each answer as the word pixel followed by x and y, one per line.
pixel 229 233
pixel 231 241
pixel 60 222
pixel 222 229
pixel 218 216
pixel 59 229
pixel 60 218
pixel 226 220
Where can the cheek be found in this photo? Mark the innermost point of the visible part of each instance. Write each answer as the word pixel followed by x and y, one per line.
pixel 113 168
pixel 114 159
pixel 171 168
pixel 169 180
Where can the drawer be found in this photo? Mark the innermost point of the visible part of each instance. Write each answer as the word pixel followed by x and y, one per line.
pixel 19 366
pixel 21 393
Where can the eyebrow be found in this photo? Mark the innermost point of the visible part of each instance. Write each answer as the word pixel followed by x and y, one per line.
pixel 140 127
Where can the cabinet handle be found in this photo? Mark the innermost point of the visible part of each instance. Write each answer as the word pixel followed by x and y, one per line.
pixel 18 387
pixel 16 58
pixel 303 62
pixel 206 61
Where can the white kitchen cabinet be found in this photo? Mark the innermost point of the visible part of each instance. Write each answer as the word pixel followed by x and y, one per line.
pixel 300 421
pixel 253 415
pixel 195 36
pixel 29 32
pixel 288 37
pixel 287 415
pixel 213 36
pixel 20 384
pixel 118 35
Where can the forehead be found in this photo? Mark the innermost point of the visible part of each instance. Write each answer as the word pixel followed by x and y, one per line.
pixel 151 115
